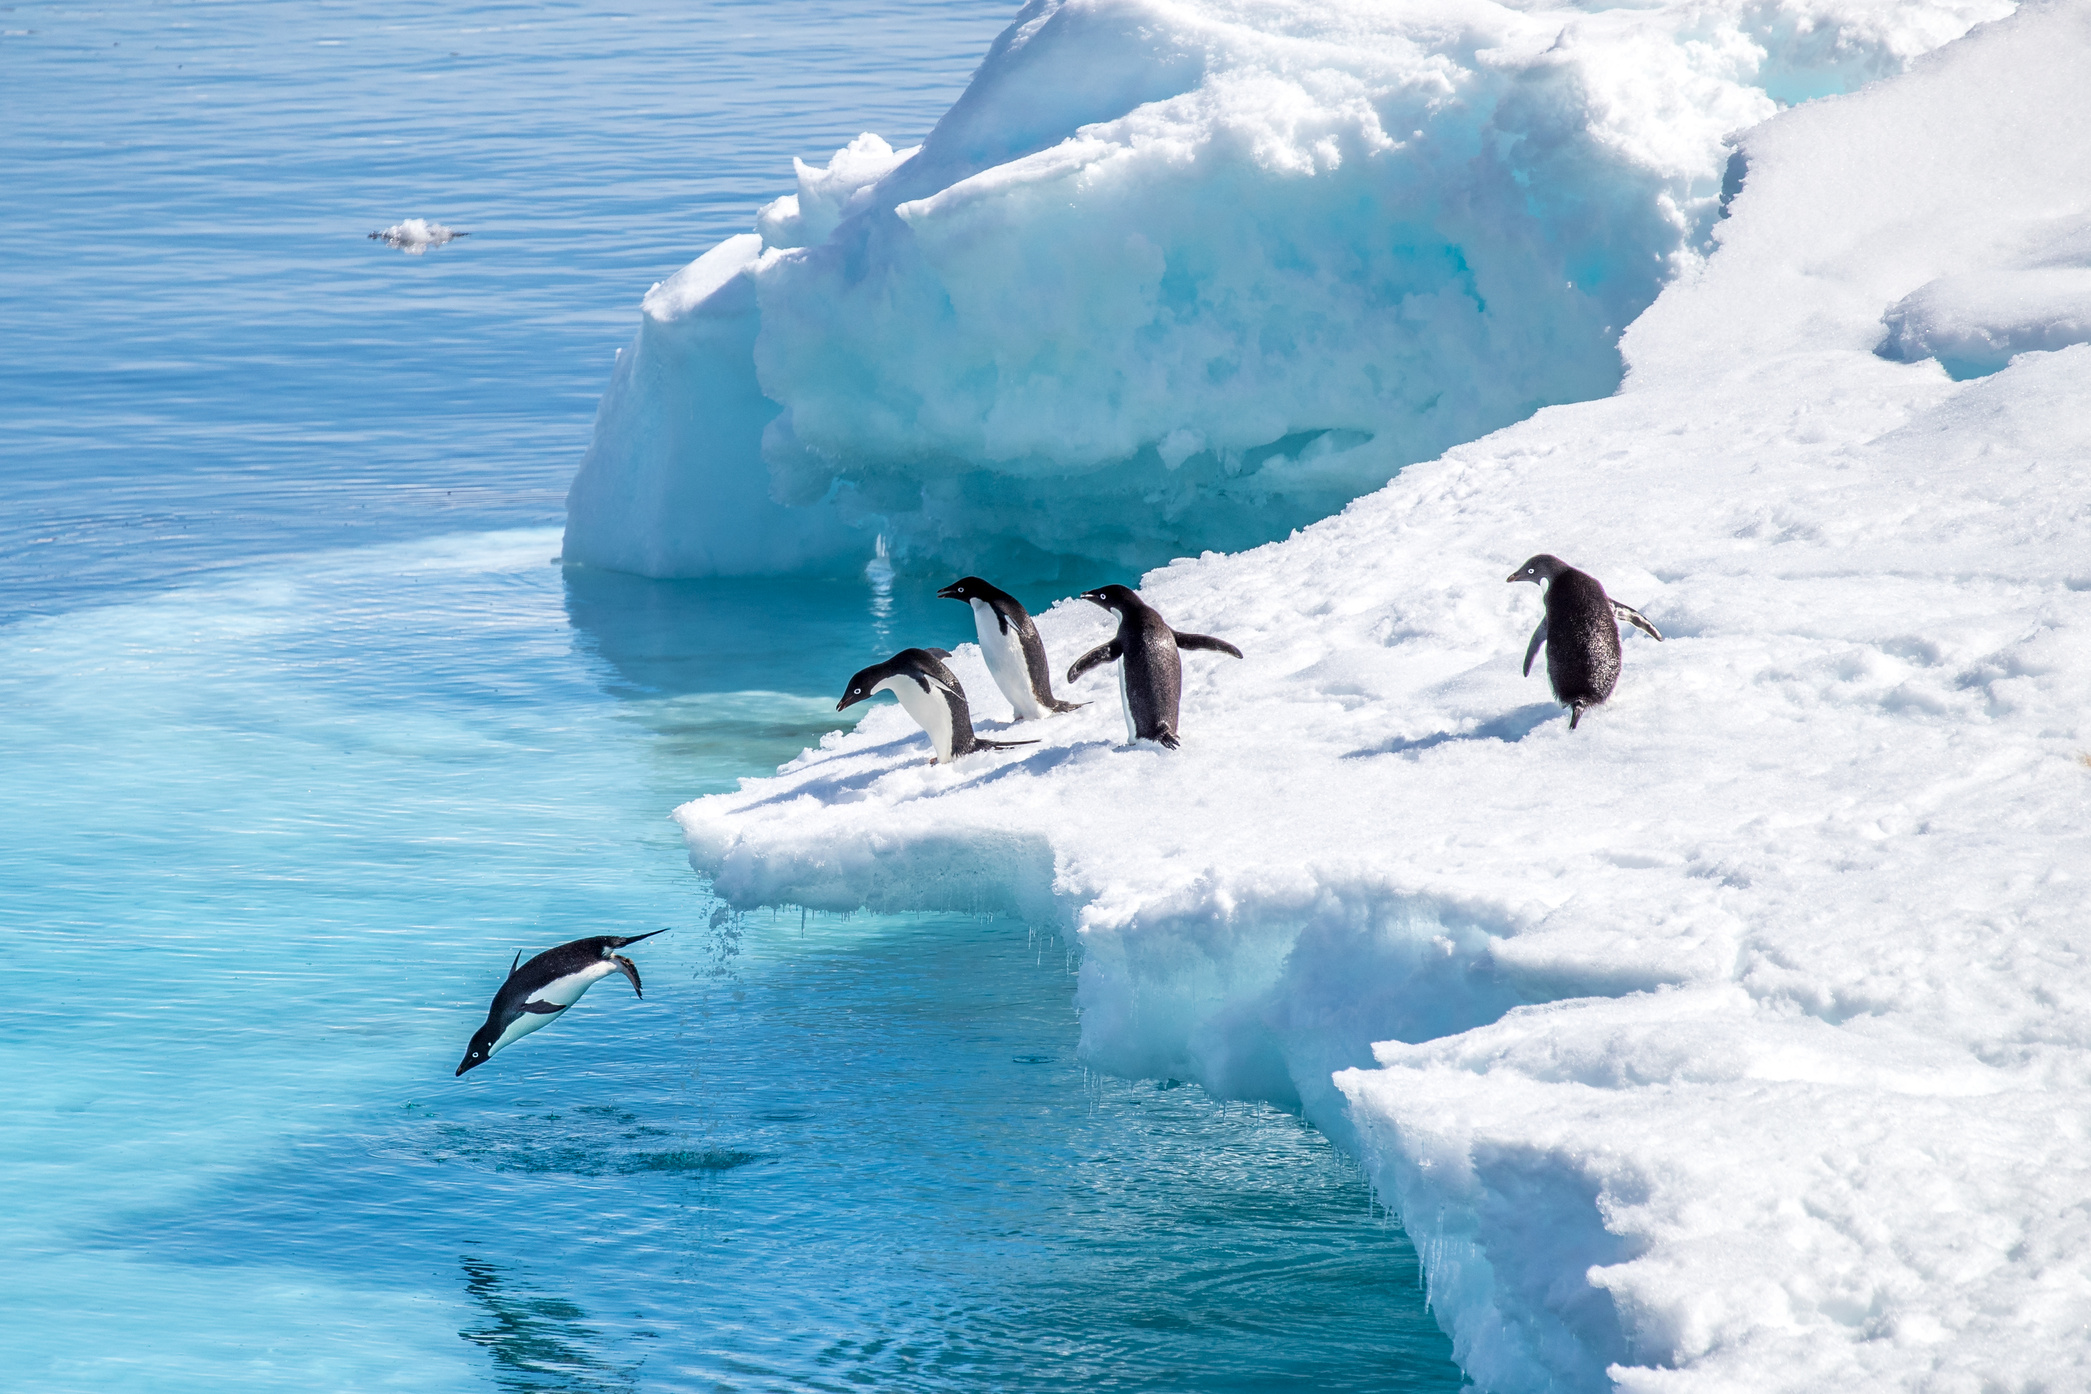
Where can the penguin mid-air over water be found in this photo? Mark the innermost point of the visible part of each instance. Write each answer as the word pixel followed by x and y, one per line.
pixel 1150 675
pixel 1581 632
pixel 930 693
pixel 544 987
pixel 1009 641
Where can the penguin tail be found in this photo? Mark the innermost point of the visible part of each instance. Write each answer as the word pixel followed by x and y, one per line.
pixel 980 744
pixel 1575 714
pixel 622 943
pixel 1060 706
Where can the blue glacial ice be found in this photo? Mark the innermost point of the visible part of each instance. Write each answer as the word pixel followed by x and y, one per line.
pixel 1172 276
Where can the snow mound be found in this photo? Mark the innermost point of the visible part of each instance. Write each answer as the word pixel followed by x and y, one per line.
pixel 1191 273
pixel 1973 325
pixel 1742 1039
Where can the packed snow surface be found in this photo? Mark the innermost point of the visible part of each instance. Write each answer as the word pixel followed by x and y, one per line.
pixel 1194 271
pixel 1740 1040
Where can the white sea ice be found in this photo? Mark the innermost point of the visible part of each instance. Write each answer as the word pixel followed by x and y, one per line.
pixel 1194 270
pixel 1741 1040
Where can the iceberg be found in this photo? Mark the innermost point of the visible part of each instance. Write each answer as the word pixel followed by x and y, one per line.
pixel 1182 274
pixel 1740 1040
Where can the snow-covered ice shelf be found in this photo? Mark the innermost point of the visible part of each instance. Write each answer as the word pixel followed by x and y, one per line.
pixel 1742 1039
pixel 1201 269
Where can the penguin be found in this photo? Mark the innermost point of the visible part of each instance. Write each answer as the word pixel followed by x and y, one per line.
pixel 1581 632
pixel 931 694
pixel 547 985
pixel 1150 675
pixel 1009 641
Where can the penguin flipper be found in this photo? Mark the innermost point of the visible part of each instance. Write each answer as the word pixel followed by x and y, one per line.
pixel 545 1008
pixel 1532 649
pixel 1205 641
pixel 1637 620
pixel 630 969
pixel 1102 653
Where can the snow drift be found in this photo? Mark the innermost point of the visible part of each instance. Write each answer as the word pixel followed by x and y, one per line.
pixel 1742 1039
pixel 1190 273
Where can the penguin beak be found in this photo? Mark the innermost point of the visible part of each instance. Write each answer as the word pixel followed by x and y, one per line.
pixel 950 592
pixel 1516 576
pixel 468 1063
pixel 847 702
pixel 1096 598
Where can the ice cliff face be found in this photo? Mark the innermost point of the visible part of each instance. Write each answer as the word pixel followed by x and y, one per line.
pixel 1173 276
pixel 1740 1041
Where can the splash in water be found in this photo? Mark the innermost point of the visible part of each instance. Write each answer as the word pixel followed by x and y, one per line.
pixel 416 235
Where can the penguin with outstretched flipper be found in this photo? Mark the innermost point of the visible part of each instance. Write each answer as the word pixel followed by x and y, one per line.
pixel 1150 675
pixel 1016 656
pixel 929 692
pixel 1581 632
pixel 544 987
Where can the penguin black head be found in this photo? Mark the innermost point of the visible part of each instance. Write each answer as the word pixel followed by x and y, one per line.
pixel 918 663
pixel 967 588
pixel 480 1050
pixel 1117 599
pixel 1543 567
pixel 860 686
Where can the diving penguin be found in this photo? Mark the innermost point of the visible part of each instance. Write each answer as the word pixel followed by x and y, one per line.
pixel 1580 631
pixel 547 985
pixel 930 693
pixel 1009 641
pixel 1150 675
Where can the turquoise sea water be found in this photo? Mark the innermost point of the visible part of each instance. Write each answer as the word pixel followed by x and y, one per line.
pixel 305 734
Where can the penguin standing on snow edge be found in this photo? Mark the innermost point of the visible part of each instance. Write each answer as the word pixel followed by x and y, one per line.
pixel 1581 632
pixel 1150 675
pixel 929 692
pixel 1016 656
pixel 544 987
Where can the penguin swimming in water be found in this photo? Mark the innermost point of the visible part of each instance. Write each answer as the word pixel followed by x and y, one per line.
pixel 1580 631
pixel 1150 675
pixel 1016 656
pixel 930 693
pixel 544 987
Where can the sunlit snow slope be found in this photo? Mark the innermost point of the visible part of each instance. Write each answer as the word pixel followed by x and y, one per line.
pixel 1740 1040
pixel 1189 273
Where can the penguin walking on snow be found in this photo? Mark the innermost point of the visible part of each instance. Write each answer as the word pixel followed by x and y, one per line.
pixel 1581 632
pixel 544 987
pixel 930 693
pixel 1009 641
pixel 1150 675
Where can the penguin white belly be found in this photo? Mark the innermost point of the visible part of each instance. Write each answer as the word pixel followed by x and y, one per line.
pixel 1125 702
pixel 928 706
pixel 1004 653
pixel 560 992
